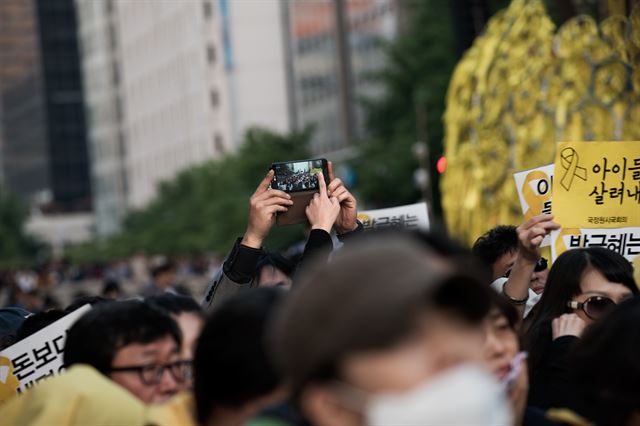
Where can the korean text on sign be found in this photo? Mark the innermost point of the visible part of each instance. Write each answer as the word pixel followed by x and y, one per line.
pixel 625 241
pixel 597 184
pixel 408 217
pixel 41 354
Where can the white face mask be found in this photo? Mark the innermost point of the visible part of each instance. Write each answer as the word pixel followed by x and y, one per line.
pixel 465 395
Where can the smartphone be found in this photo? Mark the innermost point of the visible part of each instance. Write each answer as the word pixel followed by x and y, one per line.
pixel 300 180
pixel 299 176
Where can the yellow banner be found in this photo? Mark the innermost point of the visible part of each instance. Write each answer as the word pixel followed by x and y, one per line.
pixel 597 184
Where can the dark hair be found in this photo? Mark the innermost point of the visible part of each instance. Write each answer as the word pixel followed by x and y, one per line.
pixel 37 322
pixel 605 369
pixel 165 265
pixel 563 284
pixel 109 286
pixel 231 365
pixel 277 261
pixel 506 310
pixel 83 300
pixel 495 243
pixel 98 335
pixel 175 304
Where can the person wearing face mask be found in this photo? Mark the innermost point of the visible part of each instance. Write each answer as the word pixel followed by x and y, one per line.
pixel 385 335
pixel 583 285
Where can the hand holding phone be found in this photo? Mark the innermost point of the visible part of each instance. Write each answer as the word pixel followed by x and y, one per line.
pixel 323 210
pixel 298 179
pixel 263 205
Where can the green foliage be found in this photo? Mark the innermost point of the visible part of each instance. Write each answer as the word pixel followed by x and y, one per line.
pixel 415 81
pixel 17 249
pixel 204 209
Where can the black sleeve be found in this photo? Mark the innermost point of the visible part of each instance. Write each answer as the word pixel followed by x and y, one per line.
pixel 241 263
pixel 319 245
pixel 348 236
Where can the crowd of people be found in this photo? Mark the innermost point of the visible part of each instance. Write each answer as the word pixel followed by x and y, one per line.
pixel 298 181
pixel 384 328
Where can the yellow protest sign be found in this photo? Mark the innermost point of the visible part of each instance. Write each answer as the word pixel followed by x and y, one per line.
pixel 597 185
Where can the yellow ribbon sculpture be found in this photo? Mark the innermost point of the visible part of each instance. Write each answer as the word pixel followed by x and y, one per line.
pixel 522 87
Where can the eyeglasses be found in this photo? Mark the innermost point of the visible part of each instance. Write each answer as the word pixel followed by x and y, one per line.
pixel 152 374
pixel 541 265
pixel 594 307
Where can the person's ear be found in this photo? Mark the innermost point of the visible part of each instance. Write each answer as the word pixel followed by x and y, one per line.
pixel 322 408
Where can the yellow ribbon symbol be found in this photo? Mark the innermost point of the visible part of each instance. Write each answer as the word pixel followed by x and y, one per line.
pixel 560 246
pixel 535 201
pixel 569 162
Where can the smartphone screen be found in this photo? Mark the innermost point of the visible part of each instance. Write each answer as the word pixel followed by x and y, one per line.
pixel 297 176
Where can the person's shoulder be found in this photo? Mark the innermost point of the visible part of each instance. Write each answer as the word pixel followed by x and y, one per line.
pixel 179 410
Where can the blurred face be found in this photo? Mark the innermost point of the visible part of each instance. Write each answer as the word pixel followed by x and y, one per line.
pixel 271 276
pixel 500 344
pixel 190 326
pixel 539 280
pixel 593 283
pixel 165 279
pixel 503 264
pixel 158 353
pixel 438 343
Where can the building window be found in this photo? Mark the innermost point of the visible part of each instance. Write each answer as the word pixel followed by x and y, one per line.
pixel 215 98
pixel 208 9
pixel 211 54
pixel 218 145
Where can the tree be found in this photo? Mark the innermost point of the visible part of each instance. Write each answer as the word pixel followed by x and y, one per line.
pixel 415 80
pixel 204 209
pixel 17 249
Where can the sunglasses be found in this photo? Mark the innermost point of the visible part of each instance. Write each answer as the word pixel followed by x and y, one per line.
pixel 541 265
pixel 594 307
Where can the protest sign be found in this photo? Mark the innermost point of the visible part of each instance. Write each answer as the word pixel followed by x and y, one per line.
pixel 411 216
pixel 534 192
pixel 597 185
pixel 36 357
pixel 625 241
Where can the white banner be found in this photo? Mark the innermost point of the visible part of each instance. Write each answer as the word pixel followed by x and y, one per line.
pixel 412 216
pixel 534 192
pixel 625 241
pixel 36 357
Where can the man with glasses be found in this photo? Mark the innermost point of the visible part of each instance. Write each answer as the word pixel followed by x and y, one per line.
pixel 135 345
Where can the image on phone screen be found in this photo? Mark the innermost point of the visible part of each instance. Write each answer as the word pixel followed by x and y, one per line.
pixel 297 176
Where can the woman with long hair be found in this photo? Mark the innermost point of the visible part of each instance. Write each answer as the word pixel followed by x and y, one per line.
pixel 582 286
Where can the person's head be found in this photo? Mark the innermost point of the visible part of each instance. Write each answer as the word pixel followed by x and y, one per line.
pixel 11 319
pixel 189 316
pixel 501 343
pixel 134 344
pixel 111 289
pixel 497 248
pixel 604 365
pixel 37 322
pixel 274 270
pixel 379 319
pixel 84 300
pixel 233 375
pixel 584 281
pixel 163 272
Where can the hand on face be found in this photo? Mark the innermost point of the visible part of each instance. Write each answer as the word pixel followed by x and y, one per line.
pixel 263 206
pixel 323 210
pixel 567 325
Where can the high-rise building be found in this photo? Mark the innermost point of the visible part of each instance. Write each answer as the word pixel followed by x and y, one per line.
pixel 157 96
pixel 317 64
pixel 43 127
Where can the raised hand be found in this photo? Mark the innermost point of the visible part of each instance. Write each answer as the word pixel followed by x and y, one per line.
pixel 347 218
pixel 263 206
pixel 323 210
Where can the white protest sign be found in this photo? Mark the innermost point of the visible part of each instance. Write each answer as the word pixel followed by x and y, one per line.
pixel 411 216
pixel 625 241
pixel 36 357
pixel 534 192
